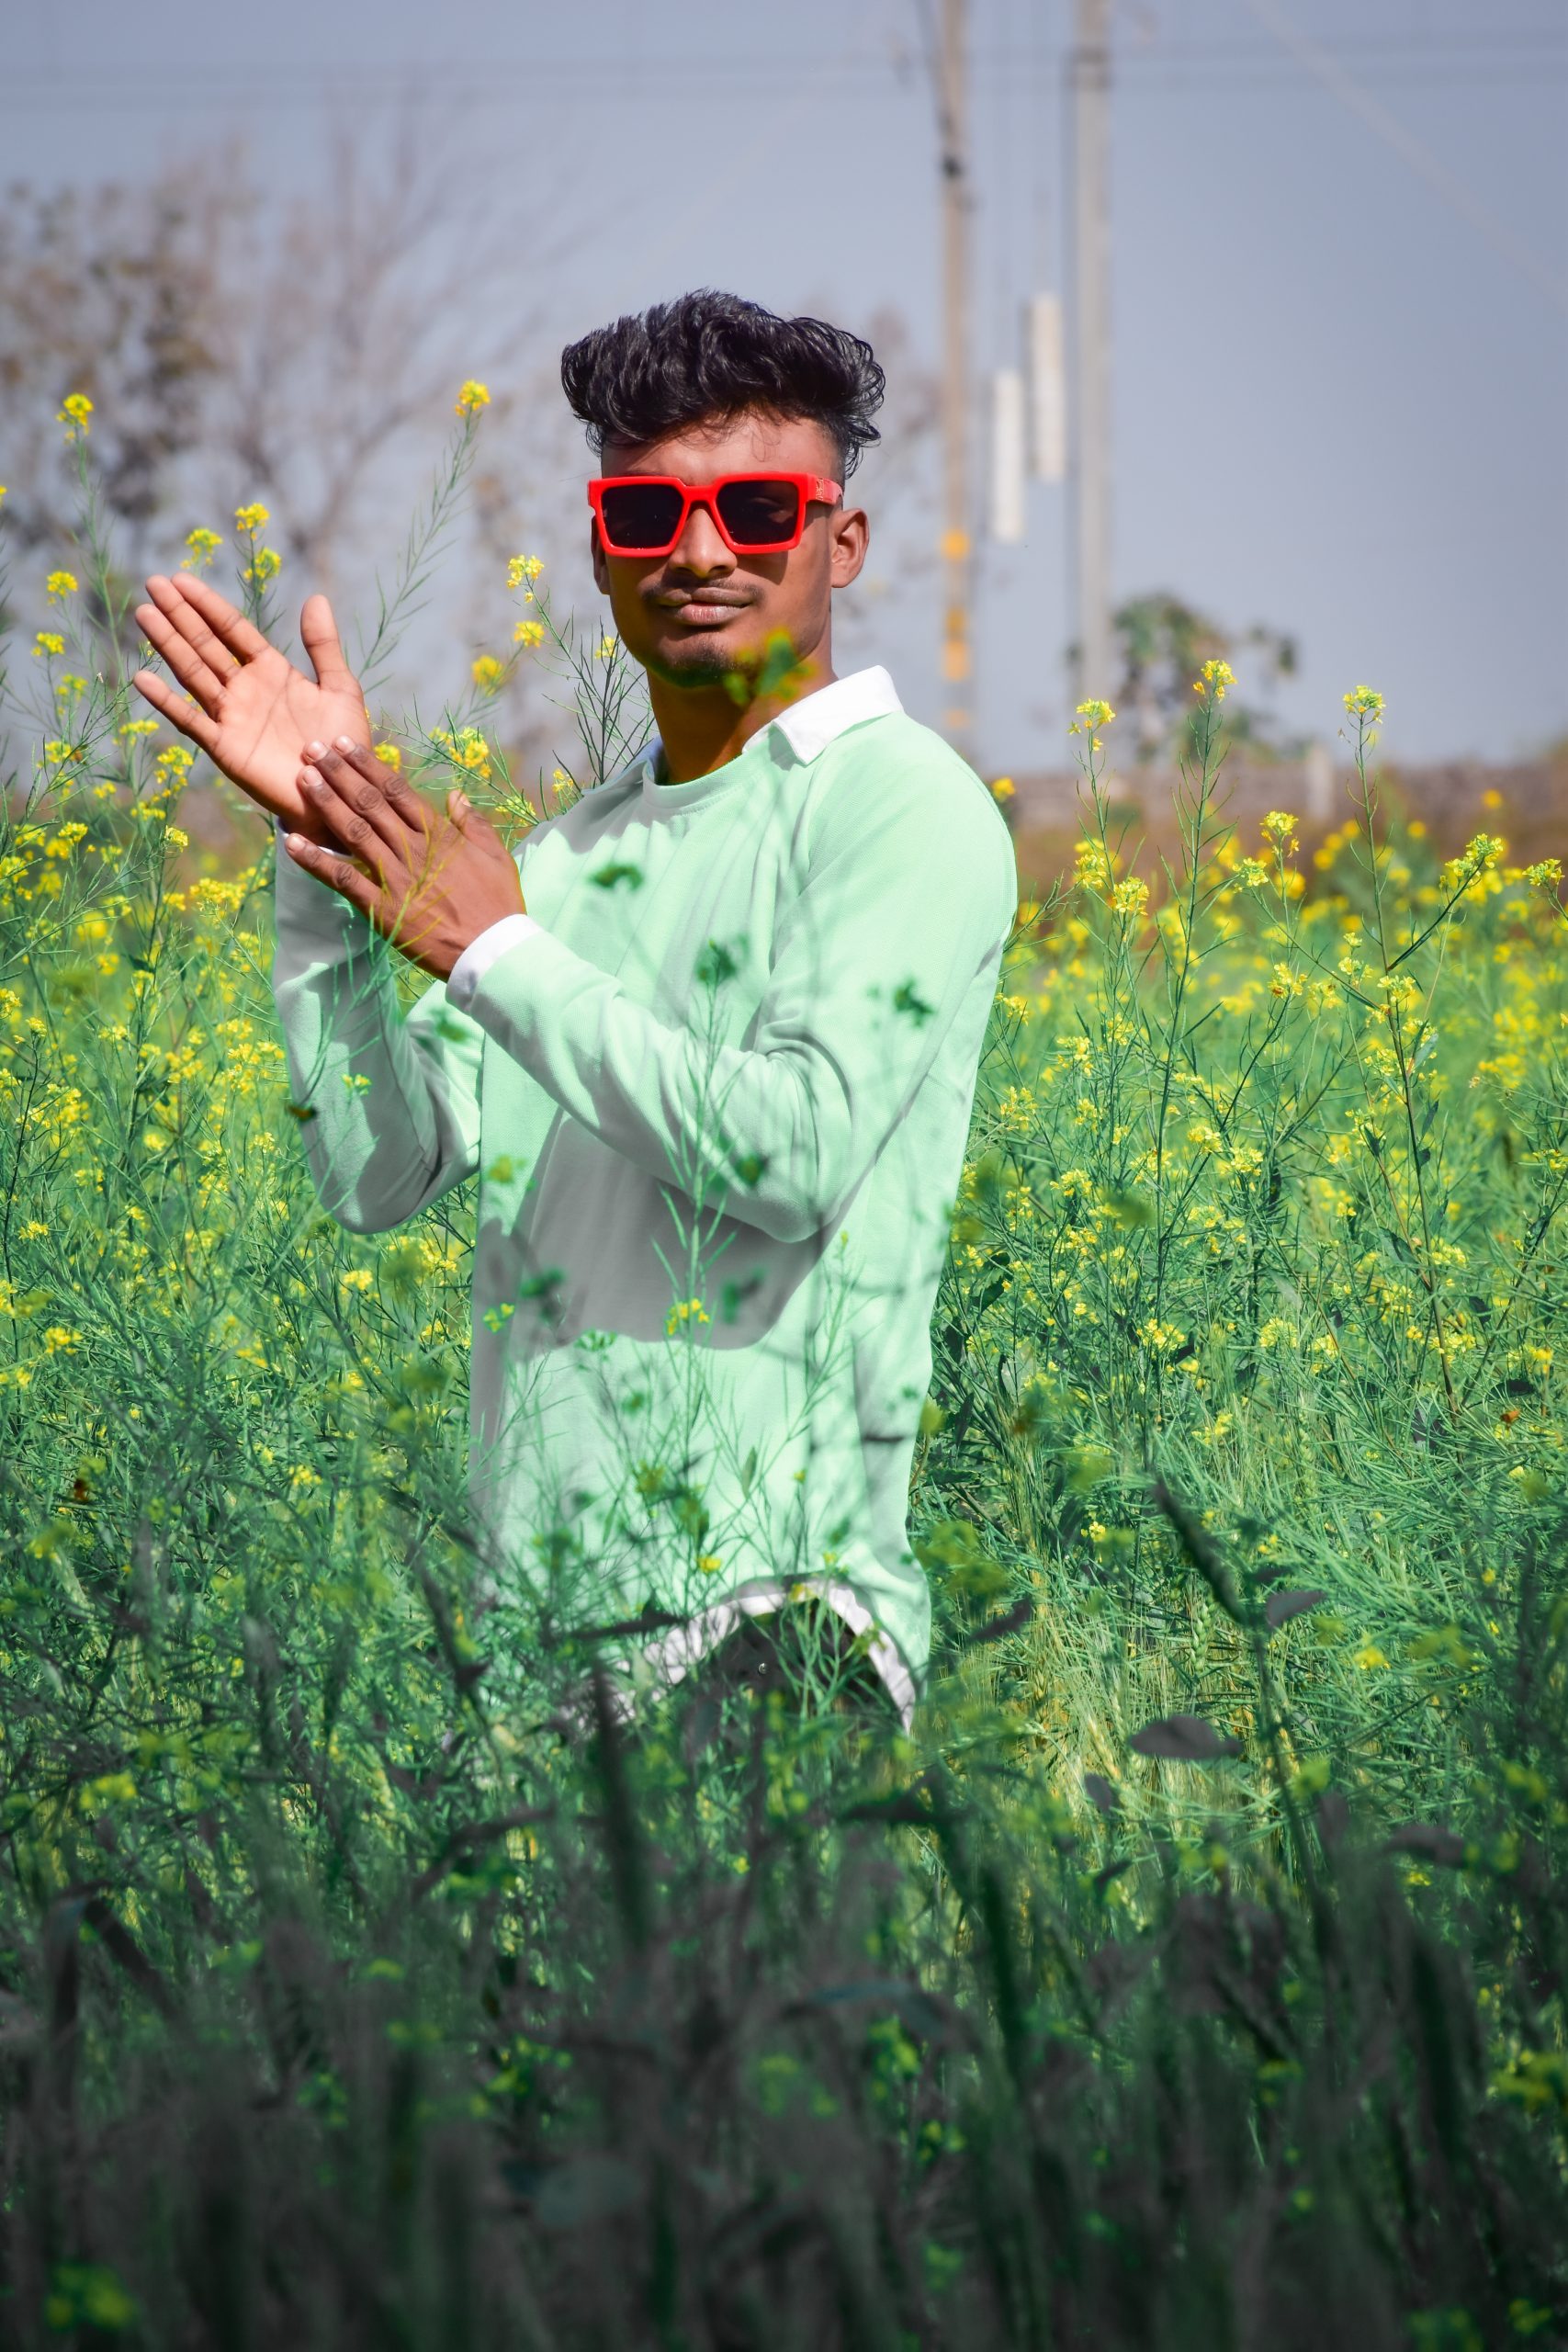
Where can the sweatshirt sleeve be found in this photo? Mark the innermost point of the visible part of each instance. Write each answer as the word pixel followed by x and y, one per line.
pixel 391 1104
pixel 905 908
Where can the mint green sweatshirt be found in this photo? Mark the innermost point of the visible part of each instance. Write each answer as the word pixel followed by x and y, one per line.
pixel 715 1086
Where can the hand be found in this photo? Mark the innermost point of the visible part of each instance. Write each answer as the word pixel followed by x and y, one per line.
pixel 250 709
pixel 433 883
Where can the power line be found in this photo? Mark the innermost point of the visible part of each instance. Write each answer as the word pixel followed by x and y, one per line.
pixel 1161 69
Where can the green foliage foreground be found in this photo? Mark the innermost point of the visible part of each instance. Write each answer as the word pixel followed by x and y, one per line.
pixel 1193 1975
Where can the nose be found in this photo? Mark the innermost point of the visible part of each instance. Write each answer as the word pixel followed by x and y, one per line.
pixel 699 548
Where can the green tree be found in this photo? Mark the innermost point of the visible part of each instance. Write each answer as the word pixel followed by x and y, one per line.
pixel 1164 643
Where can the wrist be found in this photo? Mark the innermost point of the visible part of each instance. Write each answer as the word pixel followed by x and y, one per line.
pixel 497 939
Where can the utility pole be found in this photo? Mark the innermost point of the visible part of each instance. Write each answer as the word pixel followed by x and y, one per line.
pixel 958 574
pixel 1090 82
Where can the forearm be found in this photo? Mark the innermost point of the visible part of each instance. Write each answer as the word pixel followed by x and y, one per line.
pixel 898 926
pixel 778 1136
pixel 389 1109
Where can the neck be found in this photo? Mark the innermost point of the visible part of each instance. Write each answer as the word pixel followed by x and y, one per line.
pixel 703 727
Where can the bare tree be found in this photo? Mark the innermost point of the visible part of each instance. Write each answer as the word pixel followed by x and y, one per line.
pixel 116 293
pixel 304 355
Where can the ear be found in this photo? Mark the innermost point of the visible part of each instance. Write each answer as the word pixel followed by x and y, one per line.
pixel 851 529
pixel 600 562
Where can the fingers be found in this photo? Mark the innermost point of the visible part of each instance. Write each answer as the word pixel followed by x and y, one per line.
pixel 474 826
pixel 172 647
pixel 180 614
pixel 227 623
pixel 185 715
pixel 335 872
pixel 318 634
pixel 355 813
pixel 369 792
pixel 357 772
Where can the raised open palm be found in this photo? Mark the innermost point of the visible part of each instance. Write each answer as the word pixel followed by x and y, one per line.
pixel 250 709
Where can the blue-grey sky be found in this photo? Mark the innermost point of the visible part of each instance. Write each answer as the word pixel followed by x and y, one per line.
pixel 1340 273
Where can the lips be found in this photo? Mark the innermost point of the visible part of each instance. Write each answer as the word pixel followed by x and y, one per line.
pixel 708 606
pixel 704 616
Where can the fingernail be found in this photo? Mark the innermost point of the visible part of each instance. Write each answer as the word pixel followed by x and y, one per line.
pixel 315 751
pixel 345 742
pixel 294 841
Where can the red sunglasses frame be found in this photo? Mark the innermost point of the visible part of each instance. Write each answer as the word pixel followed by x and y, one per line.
pixel 809 486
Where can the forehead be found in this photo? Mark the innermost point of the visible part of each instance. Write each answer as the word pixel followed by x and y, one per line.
pixel 719 444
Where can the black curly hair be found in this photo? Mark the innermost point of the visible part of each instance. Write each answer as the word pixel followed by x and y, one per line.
pixel 709 355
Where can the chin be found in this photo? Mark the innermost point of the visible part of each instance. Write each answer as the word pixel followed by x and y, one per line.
pixel 704 658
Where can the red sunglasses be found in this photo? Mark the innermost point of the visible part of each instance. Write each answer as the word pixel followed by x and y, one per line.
pixel 762 513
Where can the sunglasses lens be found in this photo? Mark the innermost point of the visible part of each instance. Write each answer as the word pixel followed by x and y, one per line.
pixel 759 513
pixel 641 514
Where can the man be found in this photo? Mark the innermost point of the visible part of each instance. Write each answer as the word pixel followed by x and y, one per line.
pixel 709 1039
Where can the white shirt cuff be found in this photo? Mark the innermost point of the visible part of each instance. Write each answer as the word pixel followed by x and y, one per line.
pixel 480 954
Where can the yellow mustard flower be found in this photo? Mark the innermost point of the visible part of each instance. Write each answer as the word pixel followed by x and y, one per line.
pixel 1481 854
pixel 1092 717
pixel 1002 788
pixel 1364 701
pixel 61 584
pixel 685 1311
pixel 72 412
pixel 1213 678
pixel 1161 1339
pixel 472 398
pixel 48 641
pixel 466 749
pixel 522 568
pixel 248 519
pixel 529 633
pixel 487 673
pixel 388 755
pixel 201 544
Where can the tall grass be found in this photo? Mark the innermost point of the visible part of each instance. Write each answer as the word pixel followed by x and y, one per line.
pixel 1193 1976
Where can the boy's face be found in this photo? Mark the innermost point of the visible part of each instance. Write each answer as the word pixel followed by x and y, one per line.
pixel 701 612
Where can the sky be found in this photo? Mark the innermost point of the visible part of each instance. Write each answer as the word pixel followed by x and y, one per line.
pixel 1338 277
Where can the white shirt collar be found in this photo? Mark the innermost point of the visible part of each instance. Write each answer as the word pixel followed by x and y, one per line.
pixel 811 724
pixel 808 726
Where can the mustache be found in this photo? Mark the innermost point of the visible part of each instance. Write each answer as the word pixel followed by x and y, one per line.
pixel 696 593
